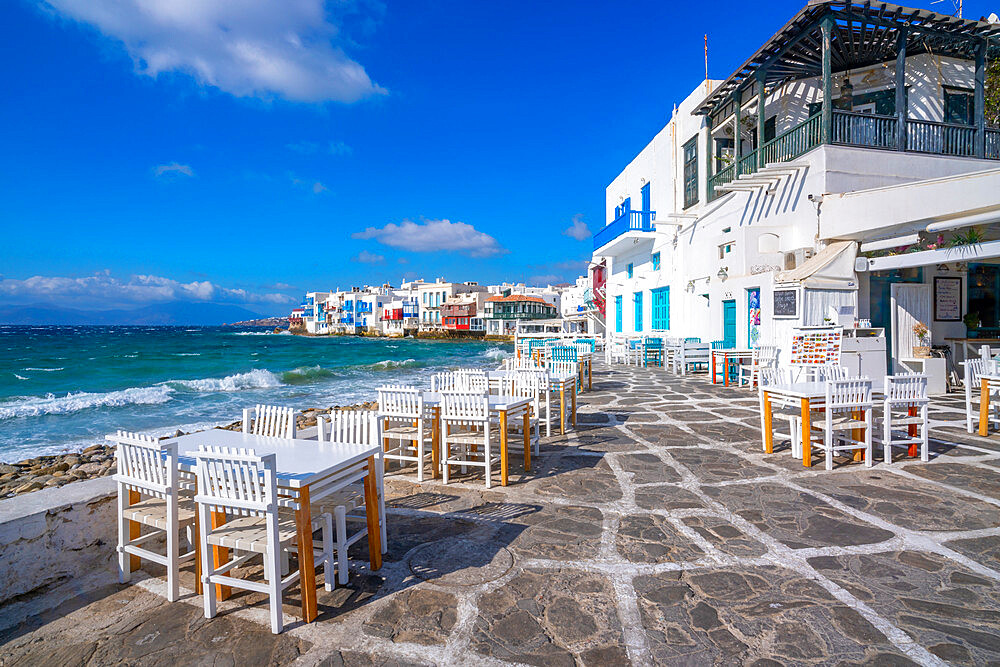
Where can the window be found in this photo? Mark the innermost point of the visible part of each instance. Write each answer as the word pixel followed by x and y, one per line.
pixel 958 106
pixel 691 172
pixel 628 270
pixel 725 249
pixel 618 314
pixel 723 153
pixel 661 308
pixel 637 302
pixel 656 261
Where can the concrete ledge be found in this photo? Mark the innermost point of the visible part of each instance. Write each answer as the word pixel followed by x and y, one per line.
pixel 57 534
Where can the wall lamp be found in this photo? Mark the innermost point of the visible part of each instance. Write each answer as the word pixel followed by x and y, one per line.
pixel 723 273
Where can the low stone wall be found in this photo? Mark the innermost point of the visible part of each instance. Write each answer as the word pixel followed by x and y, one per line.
pixel 56 534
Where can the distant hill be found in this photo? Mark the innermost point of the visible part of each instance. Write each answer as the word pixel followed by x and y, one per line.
pixel 175 312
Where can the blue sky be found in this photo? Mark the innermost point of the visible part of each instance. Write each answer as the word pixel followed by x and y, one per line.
pixel 246 152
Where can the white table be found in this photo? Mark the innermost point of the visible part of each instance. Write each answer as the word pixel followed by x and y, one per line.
pixel 727 357
pixel 504 407
pixel 809 395
pixel 557 382
pixel 298 464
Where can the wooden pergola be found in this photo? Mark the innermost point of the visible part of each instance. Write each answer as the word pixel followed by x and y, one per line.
pixel 828 36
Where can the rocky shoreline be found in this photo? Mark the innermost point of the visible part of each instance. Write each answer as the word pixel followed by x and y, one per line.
pixel 42 472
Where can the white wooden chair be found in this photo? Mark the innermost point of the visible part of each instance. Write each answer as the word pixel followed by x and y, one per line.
pixel 846 400
pixel 351 427
pixel 270 420
pixel 972 381
pixel 764 356
pixel 616 352
pixel 521 364
pixel 261 522
pixel 460 380
pixel 905 405
pixel 525 385
pixel 466 425
pixel 149 494
pixel 406 422
pixel 781 408
pixel 692 356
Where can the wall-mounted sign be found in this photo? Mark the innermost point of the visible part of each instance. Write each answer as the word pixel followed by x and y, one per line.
pixel 816 347
pixel 947 299
pixel 786 303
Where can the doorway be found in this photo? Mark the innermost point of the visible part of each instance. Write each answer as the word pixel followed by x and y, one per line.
pixel 910 304
pixel 729 324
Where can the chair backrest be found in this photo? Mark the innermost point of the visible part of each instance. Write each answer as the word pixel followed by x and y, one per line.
pixel 464 379
pixel 829 372
pixel 465 406
pixel 272 420
pixel 718 344
pixel 906 389
pixel 563 353
pixel 351 426
pixel 974 370
pixel 771 376
pixel 400 401
pixel 522 364
pixel 851 393
pixel 692 339
pixel 767 355
pixel 146 465
pixel 524 385
pixel 236 479
pixel 561 367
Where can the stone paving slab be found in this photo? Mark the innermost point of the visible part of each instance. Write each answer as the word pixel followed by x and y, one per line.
pixel 657 532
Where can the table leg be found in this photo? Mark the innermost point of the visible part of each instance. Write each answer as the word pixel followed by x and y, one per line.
pixel 911 431
pixel 768 428
pixel 562 409
pixel 527 439
pixel 220 555
pixel 856 435
pixel 503 448
pixel 984 407
pixel 713 370
pixel 307 566
pixel 573 398
pixel 372 515
pixel 134 531
pixel 806 434
pixel 590 374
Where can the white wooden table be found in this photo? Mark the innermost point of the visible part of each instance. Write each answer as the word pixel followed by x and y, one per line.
pixel 557 382
pixel 987 384
pixel 298 464
pixel 725 358
pixel 810 396
pixel 505 407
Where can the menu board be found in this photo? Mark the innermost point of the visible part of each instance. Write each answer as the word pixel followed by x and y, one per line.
pixel 947 299
pixel 786 303
pixel 818 347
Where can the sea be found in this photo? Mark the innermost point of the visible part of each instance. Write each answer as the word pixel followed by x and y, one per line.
pixel 63 388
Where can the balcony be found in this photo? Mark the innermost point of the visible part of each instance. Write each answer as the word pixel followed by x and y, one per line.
pixel 862 130
pixel 629 221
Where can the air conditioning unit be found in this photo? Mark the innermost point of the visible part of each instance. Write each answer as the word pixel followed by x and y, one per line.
pixel 797 257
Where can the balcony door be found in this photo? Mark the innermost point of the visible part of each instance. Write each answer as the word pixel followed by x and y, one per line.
pixel 729 324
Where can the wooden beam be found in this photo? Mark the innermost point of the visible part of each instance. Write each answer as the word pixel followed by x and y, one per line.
pixel 736 134
pixel 901 111
pixel 979 100
pixel 827 121
pixel 761 94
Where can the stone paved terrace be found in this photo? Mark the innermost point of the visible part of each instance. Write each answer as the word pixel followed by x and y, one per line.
pixel 657 532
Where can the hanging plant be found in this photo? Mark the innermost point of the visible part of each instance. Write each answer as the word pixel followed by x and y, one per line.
pixel 971 236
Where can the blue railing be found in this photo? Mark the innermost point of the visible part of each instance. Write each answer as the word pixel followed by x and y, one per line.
pixel 629 221
pixel 364 307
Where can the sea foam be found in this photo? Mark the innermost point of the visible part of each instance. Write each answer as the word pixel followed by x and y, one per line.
pixel 50 404
pixel 255 379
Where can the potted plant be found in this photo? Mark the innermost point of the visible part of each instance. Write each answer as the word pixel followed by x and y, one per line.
pixel 971 320
pixel 923 334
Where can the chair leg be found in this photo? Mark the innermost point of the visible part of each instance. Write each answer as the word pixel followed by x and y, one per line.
pixel 887 435
pixel 328 565
pixel 207 565
pixel 925 454
pixel 486 451
pixel 828 443
pixel 420 453
pixel 124 571
pixel 173 555
pixel 341 514
pixel 272 563
pixel 868 439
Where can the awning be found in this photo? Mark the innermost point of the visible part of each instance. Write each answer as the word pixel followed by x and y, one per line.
pixel 830 268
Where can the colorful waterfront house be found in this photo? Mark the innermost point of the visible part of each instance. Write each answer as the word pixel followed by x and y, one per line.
pixel 768 200
pixel 314 316
pixel 501 313
pixel 463 312
pixel 432 296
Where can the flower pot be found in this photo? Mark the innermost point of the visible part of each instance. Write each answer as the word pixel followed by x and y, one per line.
pixel 922 351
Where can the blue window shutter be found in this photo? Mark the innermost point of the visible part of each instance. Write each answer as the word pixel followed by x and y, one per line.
pixel 618 314
pixel 656 261
pixel 628 270
pixel 645 198
pixel 638 311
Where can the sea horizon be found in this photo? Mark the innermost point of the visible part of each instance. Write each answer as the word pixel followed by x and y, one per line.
pixel 65 387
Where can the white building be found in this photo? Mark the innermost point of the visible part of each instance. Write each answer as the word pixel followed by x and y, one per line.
pixel 431 296
pixel 872 139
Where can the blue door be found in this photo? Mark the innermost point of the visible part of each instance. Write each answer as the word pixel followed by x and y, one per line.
pixel 646 205
pixel 729 324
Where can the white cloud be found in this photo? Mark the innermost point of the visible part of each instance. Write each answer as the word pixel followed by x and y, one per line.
pixel 173 169
pixel 365 257
pixel 315 186
pixel 103 290
pixel 434 236
pixel 578 230
pixel 254 48
pixel 339 148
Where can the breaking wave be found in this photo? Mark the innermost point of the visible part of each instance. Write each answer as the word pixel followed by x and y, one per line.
pixel 47 370
pixel 387 364
pixel 255 379
pixel 50 404
pixel 306 374
pixel 497 354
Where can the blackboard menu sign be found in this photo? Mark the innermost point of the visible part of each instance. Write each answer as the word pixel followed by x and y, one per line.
pixel 947 299
pixel 786 303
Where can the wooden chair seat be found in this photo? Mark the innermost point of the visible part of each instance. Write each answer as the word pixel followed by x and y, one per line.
pixel 249 533
pixel 841 423
pixel 350 498
pixel 153 512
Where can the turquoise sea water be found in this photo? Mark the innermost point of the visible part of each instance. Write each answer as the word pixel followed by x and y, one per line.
pixel 64 388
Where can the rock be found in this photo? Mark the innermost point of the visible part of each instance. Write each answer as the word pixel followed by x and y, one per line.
pixel 92 449
pixel 6 469
pixel 89 468
pixel 30 486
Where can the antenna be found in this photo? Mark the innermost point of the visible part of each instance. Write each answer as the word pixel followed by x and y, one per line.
pixel 956 3
pixel 706 56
